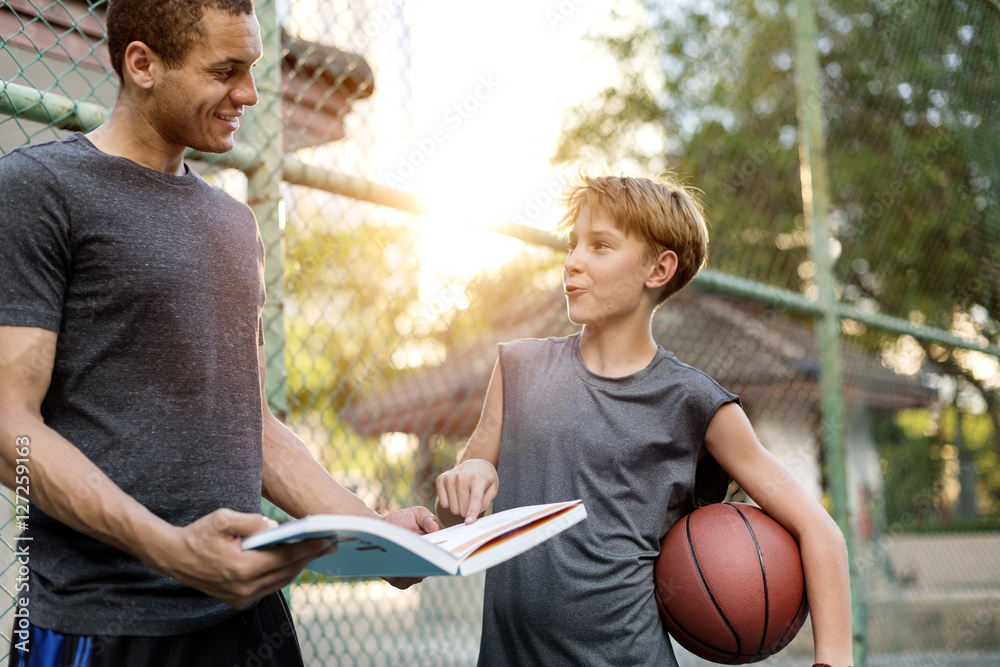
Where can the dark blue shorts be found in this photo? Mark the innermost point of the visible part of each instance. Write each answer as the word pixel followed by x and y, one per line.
pixel 261 636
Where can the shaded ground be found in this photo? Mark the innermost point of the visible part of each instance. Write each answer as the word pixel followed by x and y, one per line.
pixel 374 625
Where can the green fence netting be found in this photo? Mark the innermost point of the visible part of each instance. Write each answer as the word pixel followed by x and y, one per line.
pixel 379 355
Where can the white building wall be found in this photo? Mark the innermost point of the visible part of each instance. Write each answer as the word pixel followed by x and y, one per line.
pixel 794 443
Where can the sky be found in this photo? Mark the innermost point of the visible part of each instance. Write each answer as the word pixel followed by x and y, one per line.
pixel 494 79
pixel 470 99
pixel 491 83
pixel 472 96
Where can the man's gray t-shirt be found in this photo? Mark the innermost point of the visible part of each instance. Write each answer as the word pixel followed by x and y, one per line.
pixel 154 284
pixel 629 447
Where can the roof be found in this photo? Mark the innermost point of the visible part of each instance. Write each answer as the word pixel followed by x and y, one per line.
pixel 320 83
pixel 751 349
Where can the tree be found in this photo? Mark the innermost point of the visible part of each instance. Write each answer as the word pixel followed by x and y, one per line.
pixel 351 288
pixel 911 97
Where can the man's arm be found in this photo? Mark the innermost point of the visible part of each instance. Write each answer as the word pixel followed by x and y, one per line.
pixel 731 440
pixel 298 484
pixel 67 486
pixel 465 491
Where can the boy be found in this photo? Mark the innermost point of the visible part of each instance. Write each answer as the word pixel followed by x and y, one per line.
pixel 608 416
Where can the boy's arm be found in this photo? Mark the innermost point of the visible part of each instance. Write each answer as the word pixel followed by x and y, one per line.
pixel 465 491
pixel 731 440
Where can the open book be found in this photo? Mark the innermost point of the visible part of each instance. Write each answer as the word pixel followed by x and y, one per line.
pixel 374 548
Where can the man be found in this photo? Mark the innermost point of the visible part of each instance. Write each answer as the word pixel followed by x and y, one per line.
pixel 132 368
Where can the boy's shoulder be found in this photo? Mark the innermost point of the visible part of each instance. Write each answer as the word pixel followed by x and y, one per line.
pixel 697 380
pixel 537 343
pixel 681 367
pixel 532 347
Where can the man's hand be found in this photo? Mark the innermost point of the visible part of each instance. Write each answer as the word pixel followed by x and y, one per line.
pixel 419 520
pixel 468 489
pixel 207 555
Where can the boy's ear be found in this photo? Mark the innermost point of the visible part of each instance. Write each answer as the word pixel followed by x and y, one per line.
pixel 663 269
pixel 141 64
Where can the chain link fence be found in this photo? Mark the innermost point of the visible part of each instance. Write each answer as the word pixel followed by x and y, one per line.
pixel 905 170
pixel 379 353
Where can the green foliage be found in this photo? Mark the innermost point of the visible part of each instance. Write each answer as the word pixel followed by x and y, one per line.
pixel 977 439
pixel 355 310
pixel 914 130
pixel 984 524
pixel 912 472
pixel 497 297
pixel 915 450
pixel 911 96
pixel 351 288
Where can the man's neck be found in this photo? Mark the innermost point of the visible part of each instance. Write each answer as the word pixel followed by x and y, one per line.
pixel 125 134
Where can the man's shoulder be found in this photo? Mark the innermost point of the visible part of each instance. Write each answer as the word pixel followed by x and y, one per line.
pixel 215 197
pixel 46 150
pixel 42 158
pixel 32 167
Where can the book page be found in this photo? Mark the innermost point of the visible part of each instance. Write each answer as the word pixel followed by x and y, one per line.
pixel 461 540
pixel 519 540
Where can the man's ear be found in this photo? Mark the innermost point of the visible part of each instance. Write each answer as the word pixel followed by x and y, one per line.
pixel 141 65
pixel 662 270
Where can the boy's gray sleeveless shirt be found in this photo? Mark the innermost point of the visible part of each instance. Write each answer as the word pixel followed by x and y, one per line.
pixel 629 448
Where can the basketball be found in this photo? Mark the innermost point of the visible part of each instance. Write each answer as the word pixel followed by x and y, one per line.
pixel 729 584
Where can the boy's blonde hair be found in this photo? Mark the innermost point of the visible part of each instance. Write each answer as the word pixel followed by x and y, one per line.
pixel 663 214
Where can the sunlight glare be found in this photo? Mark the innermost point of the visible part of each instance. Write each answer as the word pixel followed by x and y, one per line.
pixel 459 251
pixel 491 83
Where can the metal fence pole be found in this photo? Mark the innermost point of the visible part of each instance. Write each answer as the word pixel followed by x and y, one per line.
pixel 815 201
pixel 262 132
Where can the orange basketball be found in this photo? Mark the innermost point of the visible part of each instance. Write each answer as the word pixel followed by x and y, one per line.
pixel 729 584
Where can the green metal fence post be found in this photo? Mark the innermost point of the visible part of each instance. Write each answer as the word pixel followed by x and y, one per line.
pixel 815 201
pixel 262 132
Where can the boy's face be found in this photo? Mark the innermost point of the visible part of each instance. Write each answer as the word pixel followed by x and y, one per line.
pixel 198 104
pixel 605 272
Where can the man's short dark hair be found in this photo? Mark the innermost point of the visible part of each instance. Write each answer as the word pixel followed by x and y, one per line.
pixel 168 27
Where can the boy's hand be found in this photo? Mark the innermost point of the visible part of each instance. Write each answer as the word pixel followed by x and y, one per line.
pixel 468 489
